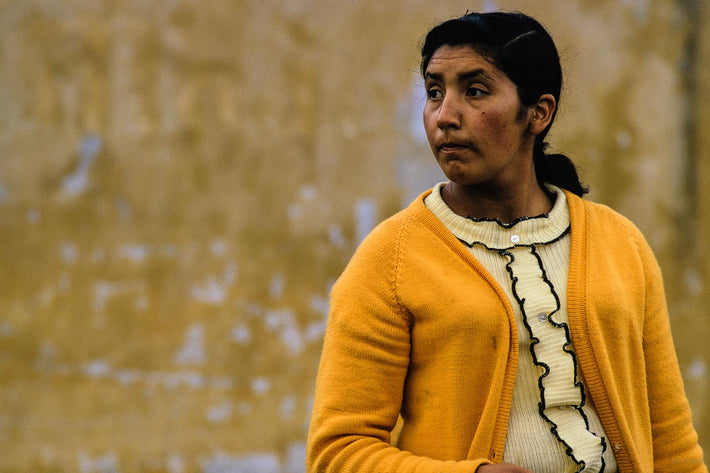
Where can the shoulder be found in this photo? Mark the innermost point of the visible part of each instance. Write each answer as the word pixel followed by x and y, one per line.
pixel 372 274
pixel 601 220
pixel 382 244
pixel 608 230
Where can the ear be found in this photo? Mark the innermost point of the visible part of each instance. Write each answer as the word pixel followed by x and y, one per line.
pixel 542 113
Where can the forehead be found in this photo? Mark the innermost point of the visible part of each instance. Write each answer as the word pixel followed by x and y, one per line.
pixel 462 58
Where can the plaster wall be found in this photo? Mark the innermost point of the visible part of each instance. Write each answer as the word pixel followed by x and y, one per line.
pixel 182 181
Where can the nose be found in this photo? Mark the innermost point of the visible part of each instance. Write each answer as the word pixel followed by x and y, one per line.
pixel 449 115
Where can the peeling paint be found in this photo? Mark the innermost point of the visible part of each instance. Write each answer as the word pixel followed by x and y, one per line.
pixel 69 253
pixel 489 6
pixel 77 182
pixel 192 351
pixel 260 385
pixel 221 462
pixel 336 237
pixel 211 291
pixel 105 290
pixel 134 253
pixel 6 329
pixel 276 288
pixel 693 282
pixel 33 216
pixel 46 356
pixel 320 305
pixel 284 322
pixel 97 369
pixel 218 247
pixel 295 458
pixel 624 140
pixel 175 463
pixel 241 334
pixel 640 9
pixel 698 371
pixel 288 406
pixel 214 290
pixel 47 361
pixel 219 413
pixel 365 218
pixel 107 463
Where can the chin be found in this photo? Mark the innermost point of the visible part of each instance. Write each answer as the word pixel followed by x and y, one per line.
pixel 463 179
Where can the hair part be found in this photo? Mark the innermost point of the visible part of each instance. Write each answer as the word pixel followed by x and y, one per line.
pixel 524 51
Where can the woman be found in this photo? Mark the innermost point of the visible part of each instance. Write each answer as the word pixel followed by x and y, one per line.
pixel 511 325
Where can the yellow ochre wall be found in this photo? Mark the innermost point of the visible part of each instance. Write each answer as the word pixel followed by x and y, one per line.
pixel 182 181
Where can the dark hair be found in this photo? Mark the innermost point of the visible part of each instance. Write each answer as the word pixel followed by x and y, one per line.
pixel 519 46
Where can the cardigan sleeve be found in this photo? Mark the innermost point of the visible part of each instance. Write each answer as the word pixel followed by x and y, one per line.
pixel 362 371
pixel 675 442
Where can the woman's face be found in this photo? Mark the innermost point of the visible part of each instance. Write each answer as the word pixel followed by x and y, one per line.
pixel 473 120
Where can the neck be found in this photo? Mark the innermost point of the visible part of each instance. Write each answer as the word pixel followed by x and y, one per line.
pixel 505 205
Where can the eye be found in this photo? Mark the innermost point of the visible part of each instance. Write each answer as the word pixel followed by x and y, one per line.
pixel 434 94
pixel 475 92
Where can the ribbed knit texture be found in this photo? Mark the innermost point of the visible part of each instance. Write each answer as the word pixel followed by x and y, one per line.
pixel 529 259
pixel 410 333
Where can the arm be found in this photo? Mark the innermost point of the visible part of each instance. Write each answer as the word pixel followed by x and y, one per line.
pixel 362 373
pixel 675 442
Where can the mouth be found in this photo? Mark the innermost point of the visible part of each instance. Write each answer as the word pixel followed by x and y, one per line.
pixel 452 147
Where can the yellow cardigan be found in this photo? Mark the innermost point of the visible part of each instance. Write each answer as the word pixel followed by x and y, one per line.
pixel 418 327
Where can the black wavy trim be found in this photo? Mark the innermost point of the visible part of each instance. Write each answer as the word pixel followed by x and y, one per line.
pixel 521 245
pixel 546 369
pixel 506 225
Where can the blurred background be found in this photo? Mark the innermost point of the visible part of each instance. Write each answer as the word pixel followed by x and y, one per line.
pixel 182 181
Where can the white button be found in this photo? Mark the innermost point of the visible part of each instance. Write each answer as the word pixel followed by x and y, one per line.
pixel 542 317
pixel 515 238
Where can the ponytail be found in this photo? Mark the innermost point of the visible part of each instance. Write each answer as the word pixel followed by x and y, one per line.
pixel 560 171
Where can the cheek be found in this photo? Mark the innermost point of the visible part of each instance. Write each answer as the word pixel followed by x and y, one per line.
pixel 430 127
pixel 498 125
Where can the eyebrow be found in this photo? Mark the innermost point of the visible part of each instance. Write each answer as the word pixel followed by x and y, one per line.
pixel 462 77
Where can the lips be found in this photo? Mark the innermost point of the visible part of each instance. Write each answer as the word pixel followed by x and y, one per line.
pixel 452 147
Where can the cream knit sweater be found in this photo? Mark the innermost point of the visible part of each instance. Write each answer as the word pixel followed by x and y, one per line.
pixel 529 258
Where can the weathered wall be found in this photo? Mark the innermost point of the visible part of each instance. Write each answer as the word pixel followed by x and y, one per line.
pixel 181 182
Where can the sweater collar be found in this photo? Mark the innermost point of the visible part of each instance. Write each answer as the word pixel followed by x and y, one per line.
pixel 541 229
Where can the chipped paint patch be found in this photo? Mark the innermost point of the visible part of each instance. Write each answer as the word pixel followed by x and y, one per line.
pixel 221 462
pixel 283 321
pixel 47 362
pixel 78 182
pixel 295 458
pixel 192 351
pixel 288 406
pixel 214 290
pixel 69 253
pixel 365 218
pixel 241 334
pixel 6 329
pixel 260 385
pixel 107 463
pixel 697 371
pixel 134 253
pixel 276 288
pixel 97 369
pixel 105 290
pixel 219 413
pixel 175 463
